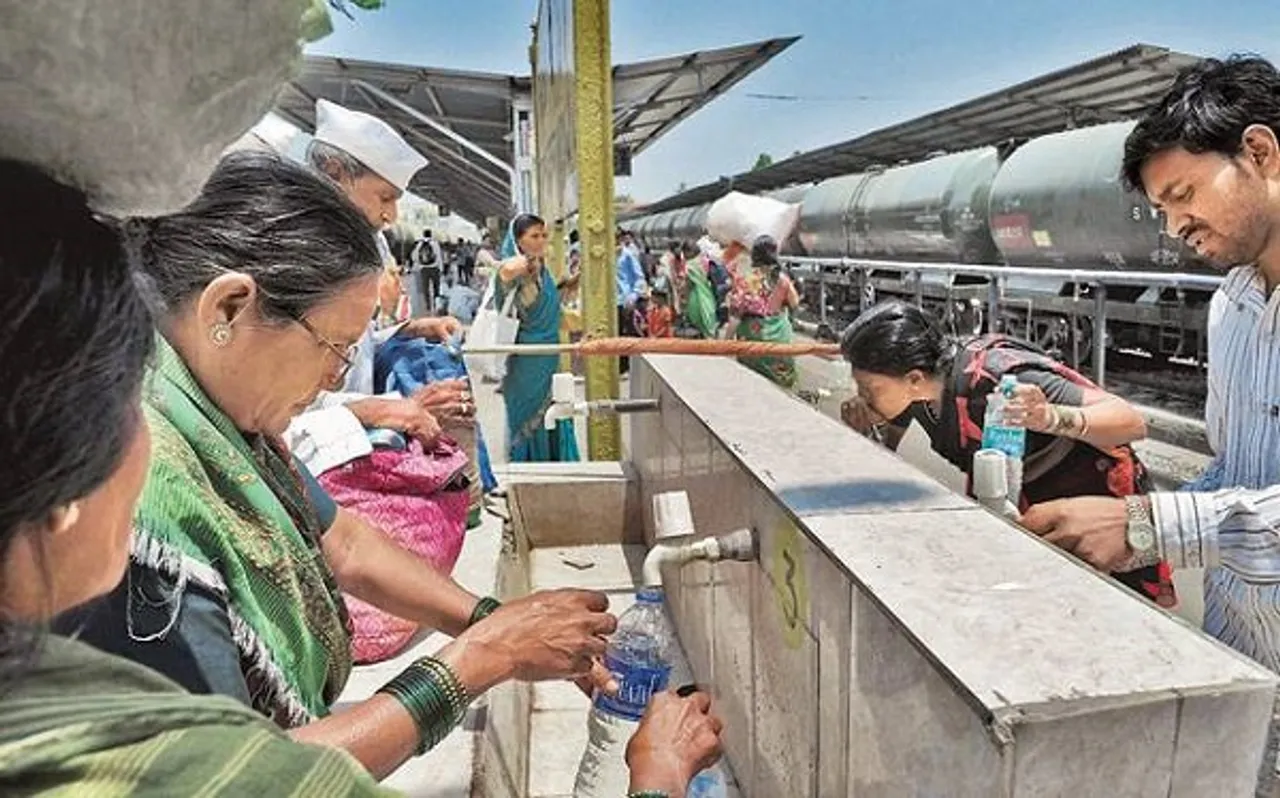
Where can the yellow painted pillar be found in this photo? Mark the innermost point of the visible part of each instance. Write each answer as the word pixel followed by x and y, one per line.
pixel 593 121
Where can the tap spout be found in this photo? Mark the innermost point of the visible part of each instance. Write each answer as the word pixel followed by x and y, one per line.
pixel 559 411
pixel 739 546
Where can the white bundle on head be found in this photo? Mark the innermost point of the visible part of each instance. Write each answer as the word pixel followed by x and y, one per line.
pixel 744 218
pixel 133 101
pixel 710 248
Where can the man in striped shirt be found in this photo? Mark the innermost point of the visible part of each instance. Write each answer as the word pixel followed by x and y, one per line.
pixel 1208 156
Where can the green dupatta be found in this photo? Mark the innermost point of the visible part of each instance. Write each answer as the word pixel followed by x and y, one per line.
pixel 82 722
pixel 234 518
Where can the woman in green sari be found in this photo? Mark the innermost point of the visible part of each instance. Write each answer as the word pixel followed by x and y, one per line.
pixel 761 303
pixel 262 286
pixel 700 309
pixel 74 444
pixel 74 340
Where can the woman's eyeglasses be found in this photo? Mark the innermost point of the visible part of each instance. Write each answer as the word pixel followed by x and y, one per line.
pixel 348 358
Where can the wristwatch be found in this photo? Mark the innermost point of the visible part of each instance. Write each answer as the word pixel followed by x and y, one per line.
pixel 1140 533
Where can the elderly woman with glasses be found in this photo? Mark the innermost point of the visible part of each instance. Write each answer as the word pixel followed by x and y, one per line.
pixel 239 560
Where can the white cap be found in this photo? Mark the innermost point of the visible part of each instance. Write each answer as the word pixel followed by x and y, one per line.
pixel 369 140
pixel 990 474
pixel 672 515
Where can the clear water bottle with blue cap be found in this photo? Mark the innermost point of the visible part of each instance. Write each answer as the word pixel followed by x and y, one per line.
pixel 1003 436
pixel 639 656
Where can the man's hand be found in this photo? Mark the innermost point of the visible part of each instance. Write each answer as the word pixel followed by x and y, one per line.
pixel 401 415
pixel 433 328
pixel 449 400
pixel 1090 527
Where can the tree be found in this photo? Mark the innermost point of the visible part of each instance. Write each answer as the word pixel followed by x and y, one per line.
pixel 763 161
pixel 683 187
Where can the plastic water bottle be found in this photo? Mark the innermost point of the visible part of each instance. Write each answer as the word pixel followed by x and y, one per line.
pixel 639 656
pixel 999 434
pixel 707 784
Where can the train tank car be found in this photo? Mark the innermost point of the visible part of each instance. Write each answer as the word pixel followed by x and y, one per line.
pixel 1055 203
pixel 932 211
pixel 935 210
pixel 826 216
pixel 1058 201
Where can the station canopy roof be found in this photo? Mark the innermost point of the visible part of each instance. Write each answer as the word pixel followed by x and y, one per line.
pixel 427 105
pixel 1111 88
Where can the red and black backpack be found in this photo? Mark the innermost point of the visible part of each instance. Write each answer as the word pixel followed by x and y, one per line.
pixel 978 368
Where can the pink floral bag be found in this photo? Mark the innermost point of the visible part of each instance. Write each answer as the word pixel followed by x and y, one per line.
pixel 418 499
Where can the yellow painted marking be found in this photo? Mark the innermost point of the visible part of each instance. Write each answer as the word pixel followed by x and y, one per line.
pixel 790 583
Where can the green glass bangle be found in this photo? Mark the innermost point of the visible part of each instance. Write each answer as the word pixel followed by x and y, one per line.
pixel 433 696
pixel 649 794
pixel 484 608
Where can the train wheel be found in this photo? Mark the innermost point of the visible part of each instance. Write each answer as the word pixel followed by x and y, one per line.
pixel 1052 334
pixel 1079 349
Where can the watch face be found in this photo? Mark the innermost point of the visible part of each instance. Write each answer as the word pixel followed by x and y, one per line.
pixel 1141 538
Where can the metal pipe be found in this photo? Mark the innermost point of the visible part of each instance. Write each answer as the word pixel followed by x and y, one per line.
pixel 516 349
pixel 822 297
pixel 622 405
pixel 1075 326
pixel 436 126
pixel 559 411
pixel 1100 335
pixel 1173 280
pixel 993 305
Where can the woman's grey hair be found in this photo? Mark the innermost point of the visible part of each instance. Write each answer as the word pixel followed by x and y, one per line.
pixel 299 238
pixel 335 162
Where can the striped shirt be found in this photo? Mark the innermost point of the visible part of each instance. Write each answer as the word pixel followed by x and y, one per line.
pixel 1229 520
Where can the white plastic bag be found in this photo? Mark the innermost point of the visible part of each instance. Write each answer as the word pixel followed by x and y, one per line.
pixel 492 327
pixel 744 218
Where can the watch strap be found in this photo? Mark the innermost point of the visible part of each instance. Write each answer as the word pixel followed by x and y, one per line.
pixel 1140 533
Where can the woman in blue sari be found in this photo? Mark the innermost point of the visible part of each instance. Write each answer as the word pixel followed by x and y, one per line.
pixel 527 385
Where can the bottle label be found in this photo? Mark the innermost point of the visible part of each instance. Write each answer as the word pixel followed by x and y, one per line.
pixel 636 685
pixel 1010 440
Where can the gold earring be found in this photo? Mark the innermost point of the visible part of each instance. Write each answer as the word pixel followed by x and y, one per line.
pixel 220 334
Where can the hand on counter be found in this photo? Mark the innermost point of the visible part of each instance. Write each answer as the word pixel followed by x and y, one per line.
pixel 1090 527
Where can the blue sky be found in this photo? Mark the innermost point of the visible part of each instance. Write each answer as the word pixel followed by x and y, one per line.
pixel 908 56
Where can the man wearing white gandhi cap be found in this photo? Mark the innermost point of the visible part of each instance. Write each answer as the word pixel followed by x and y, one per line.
pixel 373 165
pixel 366 156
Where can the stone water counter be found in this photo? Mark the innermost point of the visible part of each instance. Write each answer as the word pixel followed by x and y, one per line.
pixel 893 639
